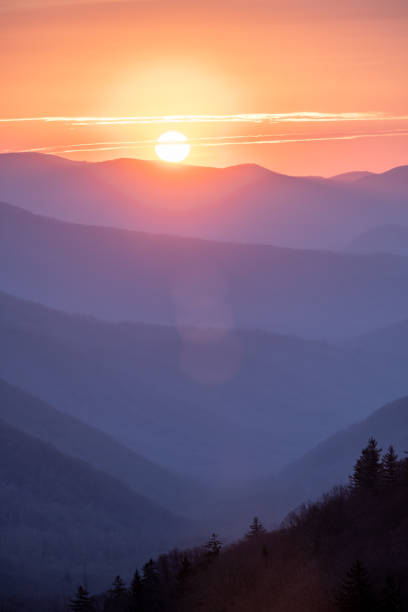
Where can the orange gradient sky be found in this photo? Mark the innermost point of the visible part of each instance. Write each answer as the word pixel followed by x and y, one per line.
pixel 302 87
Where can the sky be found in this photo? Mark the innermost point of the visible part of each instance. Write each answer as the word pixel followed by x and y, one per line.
pixel 301 87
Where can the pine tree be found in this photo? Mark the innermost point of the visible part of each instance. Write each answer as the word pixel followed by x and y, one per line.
pixel 118 587
pixel 367 469
pixel 136 586
pixel 390 467
pixel 256 529
pixel 81 602
pixel 355 594
pixel 150 574
pixel 213 547
pixel 183 574
pixel 151 587
pixel 390 599
pixel 185 569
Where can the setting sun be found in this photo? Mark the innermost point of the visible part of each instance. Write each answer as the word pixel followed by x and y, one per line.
pixel 172 146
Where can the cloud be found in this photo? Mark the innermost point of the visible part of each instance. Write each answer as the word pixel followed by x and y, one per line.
pixel 296 117
pixel 211 141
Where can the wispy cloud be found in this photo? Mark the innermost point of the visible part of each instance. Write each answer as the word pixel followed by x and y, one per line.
pixel 212 141
pixel 296 117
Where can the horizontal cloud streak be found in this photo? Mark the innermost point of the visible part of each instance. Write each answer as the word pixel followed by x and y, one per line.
pixel 302 117
pixel 216 141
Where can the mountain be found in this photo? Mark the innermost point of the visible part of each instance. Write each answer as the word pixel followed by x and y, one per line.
pixel 61 519
pixel 221 407
pixel 326 465
pixel 76 439
pixel 121 275
pixel 351 177
pixel 243 203
pixel 384 239
pixel 391 341
pixel 394 182
pixel 330 463
pixel 345 552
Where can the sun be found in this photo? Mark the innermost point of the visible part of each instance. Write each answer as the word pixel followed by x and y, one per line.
pixel 172 147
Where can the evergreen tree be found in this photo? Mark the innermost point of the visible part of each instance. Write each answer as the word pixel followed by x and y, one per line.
pixel 150 574
pixel 390 467
pixel 185 569
pixel 136 586
pixel 183 574
pixel 390 599
pixel 117 601
pixel 151 587
pixel 355 594
pixel 256 529
pixel 81 602
pixel 367 469
pixel 213 547
pixel 118 587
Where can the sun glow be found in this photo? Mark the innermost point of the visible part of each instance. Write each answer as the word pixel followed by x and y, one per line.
pixel 172 147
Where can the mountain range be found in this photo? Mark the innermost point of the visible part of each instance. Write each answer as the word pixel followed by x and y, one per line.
pixel 156 386
pixel 213 406
pixel 120 275
pixel 51 502
pixel 385 239
pixel 244 203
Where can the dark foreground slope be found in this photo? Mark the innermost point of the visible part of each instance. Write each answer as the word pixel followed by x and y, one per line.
pixel 345 553
pixel 61 519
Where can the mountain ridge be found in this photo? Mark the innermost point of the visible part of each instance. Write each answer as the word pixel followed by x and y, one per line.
pixel 244 203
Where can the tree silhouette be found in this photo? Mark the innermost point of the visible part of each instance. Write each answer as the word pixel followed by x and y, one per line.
pixel 118 587
pixel 390 467
pixel 367 469
pixel 136 587
pixel 256 529
pixel 355 593
pixel 81 602
pixel 213 547
pixel 151 587
pixel 183 574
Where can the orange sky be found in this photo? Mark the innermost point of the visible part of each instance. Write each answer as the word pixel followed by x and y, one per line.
pixel 236 73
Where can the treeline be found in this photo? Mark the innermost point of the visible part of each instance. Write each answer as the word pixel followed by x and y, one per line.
pixel 348 552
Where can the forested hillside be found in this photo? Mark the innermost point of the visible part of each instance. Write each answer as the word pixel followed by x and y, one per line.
pixel 345 553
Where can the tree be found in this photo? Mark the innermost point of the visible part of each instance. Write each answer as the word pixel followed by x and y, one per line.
pixel 118 587
pixel 81 602
pixel 151 587
pixel 256 529
pixel 390 467
pixel 367 469
pixel 150 574
pixel 213 547
pixel 136 587
pixel 118 597
pixel 390 598
pixel 183 574
pixel 355 593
